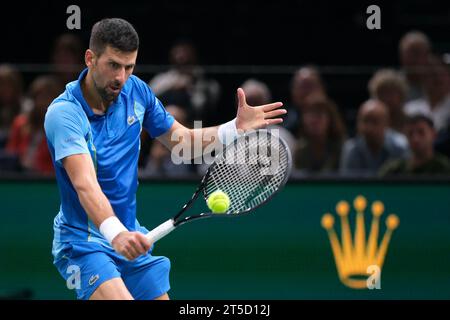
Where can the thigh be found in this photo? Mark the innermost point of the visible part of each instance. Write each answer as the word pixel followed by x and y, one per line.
pixel 147 277
pixel 113 289
pixel 165 296
pixel 85 267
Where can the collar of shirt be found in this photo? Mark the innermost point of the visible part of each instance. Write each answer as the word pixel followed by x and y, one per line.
pixel 78 94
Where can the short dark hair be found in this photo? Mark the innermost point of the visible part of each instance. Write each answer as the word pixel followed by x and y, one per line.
pixel 116 32
pixel 419 117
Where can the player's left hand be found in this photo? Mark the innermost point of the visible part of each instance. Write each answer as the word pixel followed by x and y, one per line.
pixel 257 117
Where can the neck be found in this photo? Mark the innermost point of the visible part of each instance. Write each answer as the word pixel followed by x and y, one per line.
pixel 93 98
pixel 419 159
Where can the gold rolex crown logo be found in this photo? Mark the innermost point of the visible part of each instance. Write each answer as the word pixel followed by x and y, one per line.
pixel 354 256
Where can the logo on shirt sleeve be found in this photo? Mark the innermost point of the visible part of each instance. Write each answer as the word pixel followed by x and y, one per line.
pixel 71 139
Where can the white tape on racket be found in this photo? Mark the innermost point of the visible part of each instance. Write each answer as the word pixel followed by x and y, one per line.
pixel 160 231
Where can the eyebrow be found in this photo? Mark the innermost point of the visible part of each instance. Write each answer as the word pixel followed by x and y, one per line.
pixel 126 66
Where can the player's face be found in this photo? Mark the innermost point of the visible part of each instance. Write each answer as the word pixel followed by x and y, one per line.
pixel 111 70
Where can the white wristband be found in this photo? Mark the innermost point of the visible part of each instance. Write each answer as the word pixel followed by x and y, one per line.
pixel 111 227
pixel 227 132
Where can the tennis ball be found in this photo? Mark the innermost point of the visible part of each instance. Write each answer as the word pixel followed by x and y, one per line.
pixel 218 202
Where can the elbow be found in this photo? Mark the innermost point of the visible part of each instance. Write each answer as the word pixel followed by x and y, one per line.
pixel 84 184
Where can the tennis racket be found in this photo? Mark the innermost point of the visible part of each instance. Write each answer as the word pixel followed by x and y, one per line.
pixel 250 170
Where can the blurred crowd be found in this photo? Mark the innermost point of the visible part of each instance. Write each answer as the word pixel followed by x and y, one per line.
pixel 401 129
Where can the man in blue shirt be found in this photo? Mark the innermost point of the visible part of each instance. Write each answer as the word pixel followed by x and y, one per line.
pixel 93 131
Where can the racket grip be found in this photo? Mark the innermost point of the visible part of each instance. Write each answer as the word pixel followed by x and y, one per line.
pixel 160 231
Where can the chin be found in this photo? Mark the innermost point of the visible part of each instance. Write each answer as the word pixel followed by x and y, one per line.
pixel 110 97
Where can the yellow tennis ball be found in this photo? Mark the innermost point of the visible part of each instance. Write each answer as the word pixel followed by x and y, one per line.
pixel 218 202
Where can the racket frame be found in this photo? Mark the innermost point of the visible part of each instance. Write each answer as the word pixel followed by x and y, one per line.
pixel 201 189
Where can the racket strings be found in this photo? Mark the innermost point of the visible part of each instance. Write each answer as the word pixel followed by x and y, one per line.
pixel 232 179
pixel 243 171
pixel 254 188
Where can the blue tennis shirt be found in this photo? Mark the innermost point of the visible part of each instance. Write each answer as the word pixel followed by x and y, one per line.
pixel 113 142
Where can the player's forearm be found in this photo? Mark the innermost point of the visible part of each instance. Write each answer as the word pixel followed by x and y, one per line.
pixel 95 203
pixel 204 136
pixel 211 138
pixel 189 144
pixel 214 137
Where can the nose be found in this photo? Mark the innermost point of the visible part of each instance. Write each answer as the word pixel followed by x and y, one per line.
pixel 120 76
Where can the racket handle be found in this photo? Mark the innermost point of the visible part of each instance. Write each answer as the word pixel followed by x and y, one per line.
pixel 160 231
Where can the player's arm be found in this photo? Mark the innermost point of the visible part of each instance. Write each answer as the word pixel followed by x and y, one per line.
pixel 81 172
pixel 247 118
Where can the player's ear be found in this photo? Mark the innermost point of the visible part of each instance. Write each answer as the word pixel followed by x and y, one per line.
pixel 89 57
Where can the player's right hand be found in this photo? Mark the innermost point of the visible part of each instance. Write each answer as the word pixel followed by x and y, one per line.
pixel 131 244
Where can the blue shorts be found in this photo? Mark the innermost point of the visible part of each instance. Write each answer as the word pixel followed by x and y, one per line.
pixel 86 265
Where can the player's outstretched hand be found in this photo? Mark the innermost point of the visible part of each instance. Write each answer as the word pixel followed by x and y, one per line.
pixel 131 244
pixel 257 117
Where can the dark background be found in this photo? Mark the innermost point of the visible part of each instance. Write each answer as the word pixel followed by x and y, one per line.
pixel 249 34
pixel 236 32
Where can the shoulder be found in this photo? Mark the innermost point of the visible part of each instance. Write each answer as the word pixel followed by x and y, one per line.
pixel 396 141
pixel 399 138
pixel 66 104
pixel 393 167
pixel 60 109
pixel 351 145
pixel 442 161
pixel 139 90
pixel 65 113
pixel 136 83
pixel 417 106
pixel 351 152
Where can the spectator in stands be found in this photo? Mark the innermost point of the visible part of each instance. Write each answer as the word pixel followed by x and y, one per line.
pixel 322 135
pixel 414 52
pixel 436 102
pixel 185 83
pixel 388 86
pixel 258 93
pixel 160 160
pixel 374 144
pixel 305 82
pixel 67 57
pixel 423 160
pixel 12 101
pixel 27 138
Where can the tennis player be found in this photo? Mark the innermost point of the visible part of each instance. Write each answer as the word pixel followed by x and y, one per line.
pixel 93 131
